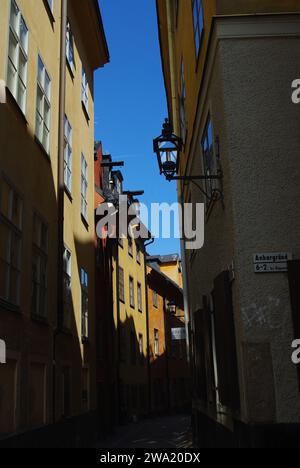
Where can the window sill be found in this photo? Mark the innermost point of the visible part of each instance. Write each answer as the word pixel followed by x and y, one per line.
pixel 68 193
pixel 72 72
pixel 10 307
pixel 200 50
pixel 85 222
pixel 47 155
pixel 49 12
pixel 38 319
pixel 11 99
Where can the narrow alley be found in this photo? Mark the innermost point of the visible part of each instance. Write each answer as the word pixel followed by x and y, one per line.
pixel 162 432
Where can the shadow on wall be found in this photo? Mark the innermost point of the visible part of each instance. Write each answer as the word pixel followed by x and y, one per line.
pixel 28 305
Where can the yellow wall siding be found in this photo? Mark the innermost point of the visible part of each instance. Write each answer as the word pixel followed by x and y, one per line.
pixel 33 175
pixel 132 320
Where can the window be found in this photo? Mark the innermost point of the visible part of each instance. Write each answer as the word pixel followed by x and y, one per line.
pixel 9 391
pixel 139 297
pixel 131 292
pixel 138 254
pixel 85 91
pixel 70 47
pixel 133 348
pixel 118 185
pixel 39 268
pixel 121 285
pixel 198 24
pixel 156 343
pixel 155 299
pixel 130 246
pixel 123 343
pixel 84 187
pixel 208 157
pixel 182 104
pixel 68 155
pixel 11 207
pixel 67 313
pixel 43 106
pixel 84 304
pixel 141 348
pixel 50 3
pixel 17 56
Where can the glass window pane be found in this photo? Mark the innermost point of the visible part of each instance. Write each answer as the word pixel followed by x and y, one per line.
pixel 22 66
pixel 41 72
pixel 47 86
pixel 24 35
pixel 21 93
pixel 46 114
pixel 14 17
pixel 13 49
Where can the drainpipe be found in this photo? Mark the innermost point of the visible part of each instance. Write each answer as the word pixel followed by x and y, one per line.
pixel 60 189
pixel 118 334
pixel 148 335
pixel 167 335
pixel 174 118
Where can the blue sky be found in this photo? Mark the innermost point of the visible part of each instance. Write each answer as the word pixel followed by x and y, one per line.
pixel 130 102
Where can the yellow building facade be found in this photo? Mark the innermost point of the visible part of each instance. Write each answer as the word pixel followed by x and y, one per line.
pixel 47 164
pixel 131 318
pixel 228 68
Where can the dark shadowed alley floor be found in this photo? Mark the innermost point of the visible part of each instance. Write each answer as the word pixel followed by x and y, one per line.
pixel 162 432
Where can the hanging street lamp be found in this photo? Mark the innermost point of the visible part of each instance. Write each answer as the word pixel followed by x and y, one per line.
pixel 168 148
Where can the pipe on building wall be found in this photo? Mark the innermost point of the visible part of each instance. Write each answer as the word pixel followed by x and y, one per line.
pixel 176 126
pixel 60 189
pixel 148 334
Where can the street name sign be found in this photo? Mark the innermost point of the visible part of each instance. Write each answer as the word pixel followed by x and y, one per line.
pixel 274 262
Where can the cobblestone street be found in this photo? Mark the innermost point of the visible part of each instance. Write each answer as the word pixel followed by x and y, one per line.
pixel 163 432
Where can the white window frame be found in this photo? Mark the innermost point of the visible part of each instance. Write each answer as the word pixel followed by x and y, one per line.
pixel 12 261
pixel 85 90
pixel 156 342
pixel 40 251
pixel 84 187
pixel 68 157
pixel 67 289
pixel 70 47
pixel 43 120
pixel 139 297
pixel 84 304
pixel 17 50
pixel 131 292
